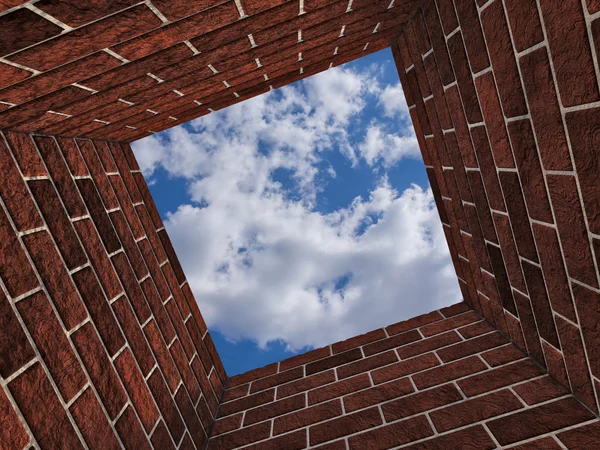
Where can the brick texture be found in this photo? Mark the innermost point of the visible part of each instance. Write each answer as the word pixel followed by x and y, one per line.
pixel 90 355
pixel 533 197
pixel 102 344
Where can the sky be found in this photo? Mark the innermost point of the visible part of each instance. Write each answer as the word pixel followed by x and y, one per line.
pixel 304 216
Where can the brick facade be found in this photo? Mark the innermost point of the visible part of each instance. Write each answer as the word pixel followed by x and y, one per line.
pixel 102 344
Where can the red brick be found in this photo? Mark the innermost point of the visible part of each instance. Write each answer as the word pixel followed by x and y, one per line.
pixel 343 426
pixel 129 245
pixel 92 422
pixel 52 344
pixel 99 310
pixel 358 340
pixel 503 60
pixel 392 435
pixel 570 65
pixel 15 349
pixel 476 329
pixel 333 361
pixel 158 310
pixel 42 410
pixel 367 364
pixel 502 355
pixel 524 22
pixel 377 394
pixel 275 380
pixel 244 436
pixel 182 333
pixel 148 201
pixel 182 363
pixel 474 40
pixel 415 322
pixel 161 438
pixel 100 370
pixel 130 431
pixel 97 255
pixel 192 422
pixel 136 388
pixel 166 405
pixel 539 420
pixel 438 43
pixel 572 229
pixel 127 206
pixel 482 206
pixel 474 437
pixel 447 15
pixel 151 233
pixel 304 384
pixel 274 409
pixel 588 304
pixel 163 357
pixel 23 28
pixel 338 389
pixel 83 41
pixel 475 410
pixel 56 278
pixel 26 154
pixel 292 441
pixel 190 27
pixel 576 362
pixel 420 402
pixel 11 74
pixel 15 195
pixel 155 272
pixel 132 287
pixel 88 150
pixel 13 434
pixel 471 346
pixel 540 303
pixel 449 324
pixel 427 345
pixel 227 424
pixel 515 331
pixel 488 168
pixel 248 402
pixel 499 377
pixel 447 372
pixel 72 156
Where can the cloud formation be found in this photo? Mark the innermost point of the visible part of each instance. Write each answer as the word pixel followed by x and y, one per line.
pixel 263 262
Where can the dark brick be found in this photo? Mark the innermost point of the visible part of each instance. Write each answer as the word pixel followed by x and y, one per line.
pixel 503 59
pixel 502 355
pixel 244 436
pixel 540 303
pixel 524 22
pixel 499 377
pixel 571 227
pixel 583 437
pixel 588 305
pixel 333 361
pixel 475 410
pixel 464 78
pixel 248 402
pixel 274 409
pixel 420 402
pixel 22 28
pixel 474 437
pixel 13 434
pixel 540 390
pixel 192 422
pixel 304 384
pixel 471 346
pixel 529 327
pixel 26 154
pixel 545 111
pixel 474 40
pixel 576 362
pixel 447 372
pixel 449 324
pixel 162 355
pixel 15 349
pixel 539 420
pixel 161 438
pixel 338 389
pixel 132 287
pixel 570 65
pixel 392 435
pixel 438 43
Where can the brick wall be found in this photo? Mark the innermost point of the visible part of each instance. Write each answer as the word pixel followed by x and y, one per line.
pixel 125 69
pixel 444 380
pixel 504 97
pixel 101 340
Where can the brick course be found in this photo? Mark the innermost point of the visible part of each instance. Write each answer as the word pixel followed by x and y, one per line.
pixel 103 344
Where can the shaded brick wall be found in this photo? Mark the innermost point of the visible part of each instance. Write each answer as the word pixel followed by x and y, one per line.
pixel 504 98
pixel 444 380
pixel 124 69
pixel 101 340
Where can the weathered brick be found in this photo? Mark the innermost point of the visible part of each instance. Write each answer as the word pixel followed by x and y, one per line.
pixel 161 438
pixel 92 422
pixel 13 434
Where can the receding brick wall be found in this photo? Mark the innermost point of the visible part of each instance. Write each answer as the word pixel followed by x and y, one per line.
pixel 444 380
pixel 101 340
pixel 125 69
pixel 503 95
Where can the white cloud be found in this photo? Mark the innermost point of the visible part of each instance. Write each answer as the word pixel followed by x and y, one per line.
pixel 267 266
pixel 393 101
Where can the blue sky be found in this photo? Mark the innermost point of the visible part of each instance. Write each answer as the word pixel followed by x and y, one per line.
pixel 304 216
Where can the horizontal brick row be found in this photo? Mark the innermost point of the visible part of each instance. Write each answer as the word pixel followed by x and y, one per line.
pixel 98 322
pixel 166 58
pixel 440 380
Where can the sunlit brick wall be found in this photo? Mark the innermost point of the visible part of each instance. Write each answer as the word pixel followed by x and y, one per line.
pixel 504 97
pixel 101 340
pixel 444 380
